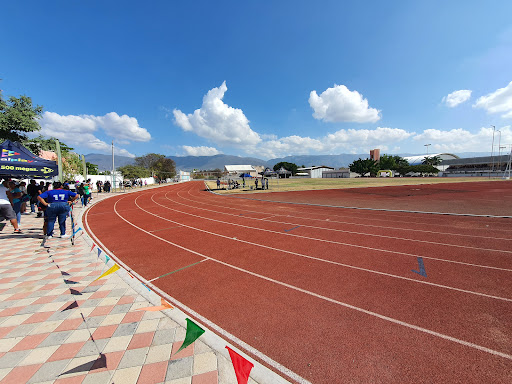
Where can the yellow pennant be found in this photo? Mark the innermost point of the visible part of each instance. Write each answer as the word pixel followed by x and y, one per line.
pixel 164 305
pixel 109 271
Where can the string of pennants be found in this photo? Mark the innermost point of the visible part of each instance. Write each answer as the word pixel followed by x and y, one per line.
pixel 241 365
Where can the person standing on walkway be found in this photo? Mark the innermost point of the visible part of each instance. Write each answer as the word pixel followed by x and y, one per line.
pixel 218 183
pixel 6 211
pixel 87 191
pixel 58 207
pixel 32 192
pixel 15 195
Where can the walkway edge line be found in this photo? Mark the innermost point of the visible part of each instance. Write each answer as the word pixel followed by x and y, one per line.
pixel 260 373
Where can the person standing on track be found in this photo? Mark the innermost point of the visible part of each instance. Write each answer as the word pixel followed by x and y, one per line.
pixel 58 207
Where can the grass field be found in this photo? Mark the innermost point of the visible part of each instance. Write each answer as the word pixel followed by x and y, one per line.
pixel 283 185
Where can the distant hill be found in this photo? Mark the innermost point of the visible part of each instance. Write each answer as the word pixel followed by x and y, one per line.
pixel 104 162
pixel 336 161
pixel 188 163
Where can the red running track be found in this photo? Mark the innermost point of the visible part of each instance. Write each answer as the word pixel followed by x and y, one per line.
pixel 329 293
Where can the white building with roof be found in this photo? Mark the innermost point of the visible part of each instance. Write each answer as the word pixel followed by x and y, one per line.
pixel 314 172
pixel 235 170
pixel 418 159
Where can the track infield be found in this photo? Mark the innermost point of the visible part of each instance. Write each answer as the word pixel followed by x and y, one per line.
pixel 334 294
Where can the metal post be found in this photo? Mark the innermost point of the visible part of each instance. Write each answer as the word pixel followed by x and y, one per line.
pixel 492 149
pixel 84 168
pixel 113 169
pixel 499 152
pixel 59 160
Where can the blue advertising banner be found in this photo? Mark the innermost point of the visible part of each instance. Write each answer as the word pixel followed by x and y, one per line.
pixel 18 161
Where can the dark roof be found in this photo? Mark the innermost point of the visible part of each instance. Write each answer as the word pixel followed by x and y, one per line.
pixel 477 160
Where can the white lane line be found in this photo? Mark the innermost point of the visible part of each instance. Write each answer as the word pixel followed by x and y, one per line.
pixel 267 219
pixel 382 209
pixel 360 224
pixel 323 260
pixel 370 313
pixel 224 333
pixel 332 241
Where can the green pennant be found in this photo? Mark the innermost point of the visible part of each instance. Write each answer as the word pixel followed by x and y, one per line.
pixel 193 333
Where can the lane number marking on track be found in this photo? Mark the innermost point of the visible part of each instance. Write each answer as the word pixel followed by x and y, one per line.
pixel 421 267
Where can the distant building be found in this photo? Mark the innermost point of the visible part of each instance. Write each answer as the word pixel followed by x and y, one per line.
pixel 183 176
pixel 336 174
pixel 418 159
pixel 313 172
pixel 235 170
pixel 485 166
pixel 375 154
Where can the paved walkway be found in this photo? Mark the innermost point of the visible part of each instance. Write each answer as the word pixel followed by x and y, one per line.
pixel 58 325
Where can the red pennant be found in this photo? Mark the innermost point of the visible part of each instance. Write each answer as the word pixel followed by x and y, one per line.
pixel 93 245
pixel 242 366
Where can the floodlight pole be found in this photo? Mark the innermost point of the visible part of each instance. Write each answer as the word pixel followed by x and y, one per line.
pixel 492 149
pixel 113 169
pixel 499 151
pixel 427 145
pixel 84 168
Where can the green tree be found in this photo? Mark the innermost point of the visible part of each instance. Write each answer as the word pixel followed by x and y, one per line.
pixel 364 166
pixel 71 165
pixel 44 144
pixel 92 169
pixel 164 168
pixel 148 161
pixel 288 166
pixel 134 172
pixel 424 169
pixel 159 165
pixel 17 117
pixel 434 160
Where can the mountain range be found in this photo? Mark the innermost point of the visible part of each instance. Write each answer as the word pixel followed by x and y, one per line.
pixel 188 163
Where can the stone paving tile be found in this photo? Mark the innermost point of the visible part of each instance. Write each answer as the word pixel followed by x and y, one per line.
pixel 40 339
pixel 49 371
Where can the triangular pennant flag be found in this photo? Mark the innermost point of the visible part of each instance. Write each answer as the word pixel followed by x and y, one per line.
pixel 75 232
pixel 99 252
pixel 109 271
pixel 107 259
pixel 193 333
pixel 93 245
pixel 242 366
pixel 164 305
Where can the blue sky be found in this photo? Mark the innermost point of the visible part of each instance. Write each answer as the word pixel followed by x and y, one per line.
pixel 263 79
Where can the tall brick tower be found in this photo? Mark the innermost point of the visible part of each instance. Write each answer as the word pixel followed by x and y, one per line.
pixel 375 154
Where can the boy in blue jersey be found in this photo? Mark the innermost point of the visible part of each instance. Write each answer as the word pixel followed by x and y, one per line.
pixel 58 201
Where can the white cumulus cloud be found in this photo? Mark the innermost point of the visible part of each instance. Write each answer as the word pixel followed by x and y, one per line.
pixel 81 130
pixel 218 122
pixel 457 97
pixel 341 104
pixel 200 151
pixel 344 140
pixel 499 101
pixel 461 140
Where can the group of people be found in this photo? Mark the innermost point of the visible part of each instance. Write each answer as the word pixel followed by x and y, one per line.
pixel 52 202
pixel 234 184
pixel 102 186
